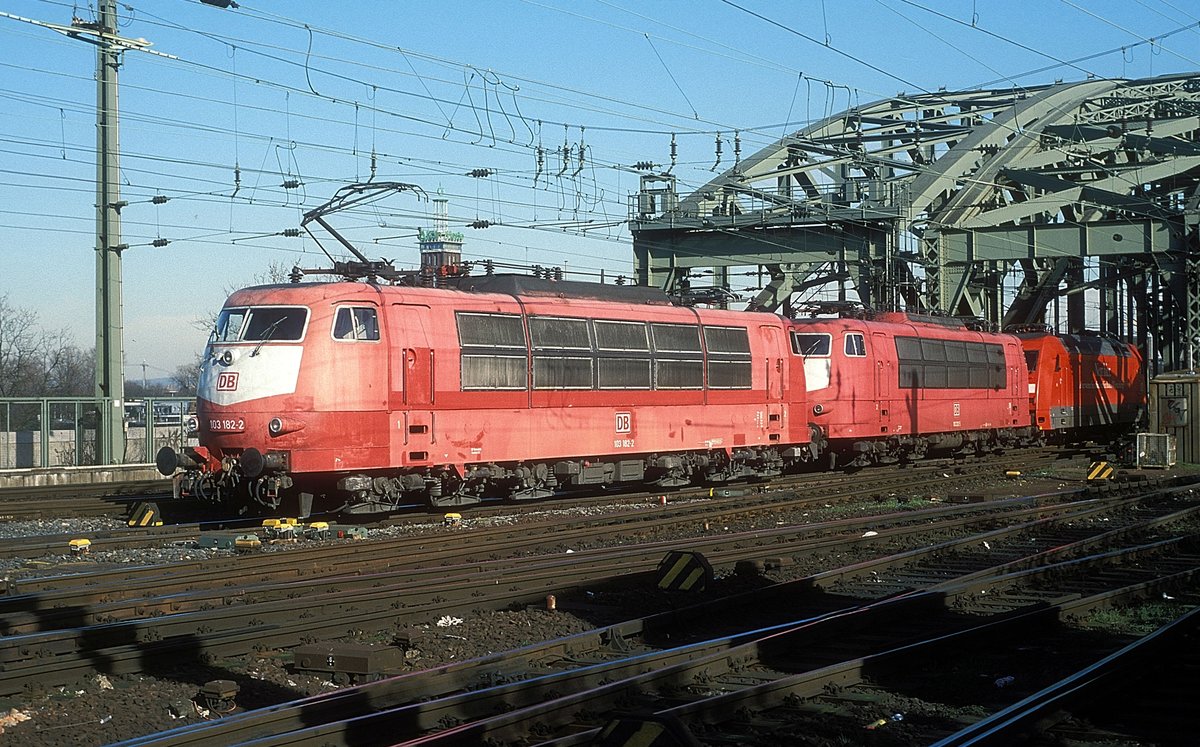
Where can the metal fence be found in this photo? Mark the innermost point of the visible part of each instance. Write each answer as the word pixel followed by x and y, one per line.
pixel 63 431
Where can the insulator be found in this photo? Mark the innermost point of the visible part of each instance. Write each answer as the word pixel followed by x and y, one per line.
pixel 480 172
pixel 488 267
pixel 537 271
pixel 296 275
pixel 558 273
pixel 674 150
pixel 643 165
pixel 479 224
pixel 159 199
pixel 159 242
pixel 620 280
pixel 290 184
pixel 290 233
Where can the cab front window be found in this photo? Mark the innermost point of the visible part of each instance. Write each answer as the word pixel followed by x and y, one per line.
pixel 259 324
pixel 811 345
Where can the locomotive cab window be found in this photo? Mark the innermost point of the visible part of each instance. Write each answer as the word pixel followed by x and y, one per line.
pixel 811 345
pixel 855 346
pixel 1031 359
pixel 356 323
pixel 261 324
pixel 229 325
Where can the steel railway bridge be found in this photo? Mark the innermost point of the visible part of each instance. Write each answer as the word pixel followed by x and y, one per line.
pixel 1073 204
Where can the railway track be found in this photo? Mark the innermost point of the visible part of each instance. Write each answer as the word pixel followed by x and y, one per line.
pixel 933 477
pixel 699 664
pixel 52 638
pixel 116 498
pixel 1146 692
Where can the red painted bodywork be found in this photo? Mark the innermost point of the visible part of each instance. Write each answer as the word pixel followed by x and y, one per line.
pixel 398 402
pixel 863 397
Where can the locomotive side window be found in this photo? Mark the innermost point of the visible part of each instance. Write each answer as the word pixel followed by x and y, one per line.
pixel 356 323
pixel 950 364
pixel 728 357
pixel 623 355
pixel 493 351
pixel 554 340
pixel 811 345
pixel 678 361
pixel 492 330
pixel 553 372
pixel 626 336
pixel 673 374
pixel 676 338
pixel 623 373
pixel 551 332
pixel 855 346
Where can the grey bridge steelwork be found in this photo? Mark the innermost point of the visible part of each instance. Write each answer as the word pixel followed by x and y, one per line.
pixel 1001 204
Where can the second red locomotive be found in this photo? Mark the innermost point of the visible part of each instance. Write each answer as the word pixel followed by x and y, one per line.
pixel 894 386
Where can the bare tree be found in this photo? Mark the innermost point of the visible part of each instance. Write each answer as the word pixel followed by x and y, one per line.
pixel 276 272
pixel 187 376
pixel 38 363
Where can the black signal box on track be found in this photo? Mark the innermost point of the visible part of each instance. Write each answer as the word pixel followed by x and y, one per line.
pixel 360 661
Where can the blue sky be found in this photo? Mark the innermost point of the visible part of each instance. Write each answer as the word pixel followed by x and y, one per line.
pixel 301 91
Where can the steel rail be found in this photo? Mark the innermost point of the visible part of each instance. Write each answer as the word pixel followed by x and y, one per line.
pixel 405 691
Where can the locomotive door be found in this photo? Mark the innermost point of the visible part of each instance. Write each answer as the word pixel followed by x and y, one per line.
pixel 776 370
pixel 412 371
pixel 885 379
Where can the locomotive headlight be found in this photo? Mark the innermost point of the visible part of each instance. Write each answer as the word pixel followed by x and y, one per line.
pixel 818 409
pixel 278 426
pixel 192 423
pixel 226 358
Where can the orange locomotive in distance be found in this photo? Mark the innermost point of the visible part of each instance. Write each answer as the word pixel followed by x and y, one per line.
pixel 1082 387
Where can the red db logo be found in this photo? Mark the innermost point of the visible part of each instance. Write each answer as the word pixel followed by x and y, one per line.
pixel 227 381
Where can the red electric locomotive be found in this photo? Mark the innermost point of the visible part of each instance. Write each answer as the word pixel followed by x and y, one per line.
pixel 367 396
pixel 890 386
pixel 1082 387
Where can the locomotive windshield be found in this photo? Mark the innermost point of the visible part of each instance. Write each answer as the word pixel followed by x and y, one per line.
pixel 260 324
pixel 811 344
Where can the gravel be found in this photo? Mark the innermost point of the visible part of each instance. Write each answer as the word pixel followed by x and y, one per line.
pixel 102 709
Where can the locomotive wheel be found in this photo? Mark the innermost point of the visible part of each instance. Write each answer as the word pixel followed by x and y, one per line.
pixel 208 489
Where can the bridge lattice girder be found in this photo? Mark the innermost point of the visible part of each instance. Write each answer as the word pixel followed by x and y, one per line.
pixel 932 201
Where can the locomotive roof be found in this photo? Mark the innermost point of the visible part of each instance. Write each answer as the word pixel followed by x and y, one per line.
pixel 512 285
pixel 523 285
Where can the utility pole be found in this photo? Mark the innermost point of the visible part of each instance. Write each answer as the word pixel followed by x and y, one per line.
pixel 110 344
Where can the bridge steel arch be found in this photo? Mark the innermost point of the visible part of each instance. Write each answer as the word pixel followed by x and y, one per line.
pixel 1013 205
